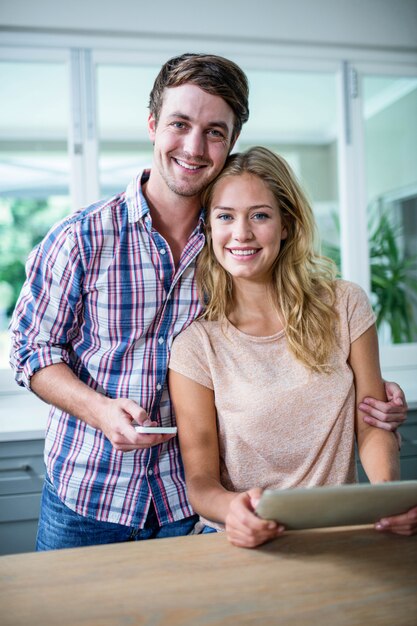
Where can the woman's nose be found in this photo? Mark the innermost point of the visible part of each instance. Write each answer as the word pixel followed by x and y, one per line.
pixel 242 231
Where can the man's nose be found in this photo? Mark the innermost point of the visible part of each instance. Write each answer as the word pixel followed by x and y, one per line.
pixel 194 143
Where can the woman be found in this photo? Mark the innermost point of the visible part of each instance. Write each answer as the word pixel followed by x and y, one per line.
pixel 264 383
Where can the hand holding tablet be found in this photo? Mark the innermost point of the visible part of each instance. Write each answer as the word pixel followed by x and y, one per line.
pixel 341 505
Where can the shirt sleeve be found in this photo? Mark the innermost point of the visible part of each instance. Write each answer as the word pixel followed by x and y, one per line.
pixel 190 355
pixel 45 316
pixel 360 316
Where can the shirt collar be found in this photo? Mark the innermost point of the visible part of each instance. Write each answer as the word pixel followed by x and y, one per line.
pixel 137 206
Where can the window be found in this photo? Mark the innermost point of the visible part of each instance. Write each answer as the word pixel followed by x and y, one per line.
pixel 34 169
pixel 122 101
pixel 295 114
pixel 73 129
pixel 390 122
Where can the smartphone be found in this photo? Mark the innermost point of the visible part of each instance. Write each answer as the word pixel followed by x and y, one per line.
pixel 156 430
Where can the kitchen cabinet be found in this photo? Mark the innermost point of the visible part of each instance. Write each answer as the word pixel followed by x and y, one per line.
pixel 21 478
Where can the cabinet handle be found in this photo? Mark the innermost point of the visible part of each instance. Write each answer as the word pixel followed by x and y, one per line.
pixel 25 467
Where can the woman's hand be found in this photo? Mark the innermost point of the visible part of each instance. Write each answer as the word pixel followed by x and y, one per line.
pixel 405 524
pixel 243 527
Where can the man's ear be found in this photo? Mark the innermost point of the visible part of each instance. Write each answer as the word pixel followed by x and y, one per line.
pixel 232 144
pixel 151 127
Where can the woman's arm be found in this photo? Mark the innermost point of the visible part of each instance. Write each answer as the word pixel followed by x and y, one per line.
pixel 378 448
pixel 197 431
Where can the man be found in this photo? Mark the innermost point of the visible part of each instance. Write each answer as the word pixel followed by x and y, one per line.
pixel 107 291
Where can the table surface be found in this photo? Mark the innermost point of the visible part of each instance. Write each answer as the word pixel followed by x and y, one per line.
pixel 319 577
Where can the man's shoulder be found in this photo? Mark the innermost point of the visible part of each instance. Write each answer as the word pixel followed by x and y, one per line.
pixel 115 205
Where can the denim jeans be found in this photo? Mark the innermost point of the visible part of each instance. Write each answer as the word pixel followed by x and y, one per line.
pixel 60 527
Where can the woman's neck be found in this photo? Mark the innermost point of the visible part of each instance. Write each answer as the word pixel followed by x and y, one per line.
pixel 254 311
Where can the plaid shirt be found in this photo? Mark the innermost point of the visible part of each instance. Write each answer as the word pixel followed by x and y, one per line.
pixel 103 296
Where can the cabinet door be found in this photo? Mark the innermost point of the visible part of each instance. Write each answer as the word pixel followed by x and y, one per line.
pixel 21 467
pixel 21 477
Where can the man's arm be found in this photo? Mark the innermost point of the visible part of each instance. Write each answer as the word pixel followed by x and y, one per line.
pixel 58 385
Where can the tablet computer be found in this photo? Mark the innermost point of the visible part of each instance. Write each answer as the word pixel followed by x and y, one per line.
pixel 341 505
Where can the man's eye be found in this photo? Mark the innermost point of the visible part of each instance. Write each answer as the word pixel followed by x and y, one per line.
pixel 217 134
pixel 178 125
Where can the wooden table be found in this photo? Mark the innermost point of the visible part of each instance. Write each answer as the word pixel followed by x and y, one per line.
pixel 320 578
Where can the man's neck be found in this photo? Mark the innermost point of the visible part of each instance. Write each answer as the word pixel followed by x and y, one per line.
pixel 173 216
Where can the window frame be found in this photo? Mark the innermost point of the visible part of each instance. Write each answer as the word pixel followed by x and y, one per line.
pixel 83 53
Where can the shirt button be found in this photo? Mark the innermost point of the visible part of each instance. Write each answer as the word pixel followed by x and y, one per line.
pixel 158 387
pixel 161 340
pixel 162 251
pixel 150 472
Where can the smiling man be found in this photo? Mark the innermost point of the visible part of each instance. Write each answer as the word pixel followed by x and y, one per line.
pixel 107 291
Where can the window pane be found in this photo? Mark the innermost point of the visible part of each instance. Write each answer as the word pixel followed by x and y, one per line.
pixel 34 169
pixel 122 105
pixel 390 119
pixel 295 114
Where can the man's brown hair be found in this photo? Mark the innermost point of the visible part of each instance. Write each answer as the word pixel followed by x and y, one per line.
pixel 214 74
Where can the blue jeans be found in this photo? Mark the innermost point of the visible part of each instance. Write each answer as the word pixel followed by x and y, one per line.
pixel 60 527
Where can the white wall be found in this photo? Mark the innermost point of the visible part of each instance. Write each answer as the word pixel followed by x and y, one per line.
pixel 387 24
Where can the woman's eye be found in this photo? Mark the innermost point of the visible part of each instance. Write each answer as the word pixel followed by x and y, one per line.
pixel 260 216
pixel 224 217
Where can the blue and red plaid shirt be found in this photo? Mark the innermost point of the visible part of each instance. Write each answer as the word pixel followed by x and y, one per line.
pixel 103 295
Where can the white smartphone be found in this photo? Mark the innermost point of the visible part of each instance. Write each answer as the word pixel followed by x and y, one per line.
pixel 156 430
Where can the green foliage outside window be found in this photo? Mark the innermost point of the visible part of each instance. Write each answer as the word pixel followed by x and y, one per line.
pixel 393 278
pixel 23 224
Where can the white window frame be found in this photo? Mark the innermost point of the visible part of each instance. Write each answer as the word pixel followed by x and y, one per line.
pixel 84 52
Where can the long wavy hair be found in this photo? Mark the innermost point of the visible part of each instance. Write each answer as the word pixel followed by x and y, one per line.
pixel 303 281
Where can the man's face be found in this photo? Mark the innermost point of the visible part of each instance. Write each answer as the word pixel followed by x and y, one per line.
pixel 192 139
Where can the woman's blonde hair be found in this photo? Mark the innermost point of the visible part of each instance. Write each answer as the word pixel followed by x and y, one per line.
pixel 302 280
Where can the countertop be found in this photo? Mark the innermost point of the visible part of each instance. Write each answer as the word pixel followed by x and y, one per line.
pixel 342 577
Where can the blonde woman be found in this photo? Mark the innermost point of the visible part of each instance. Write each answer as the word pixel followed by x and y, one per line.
pixel 264 383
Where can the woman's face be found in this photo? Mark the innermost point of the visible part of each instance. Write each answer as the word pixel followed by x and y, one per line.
pixel 246 227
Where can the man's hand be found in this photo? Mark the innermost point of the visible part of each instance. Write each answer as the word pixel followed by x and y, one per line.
pixel 243 527
pixel 405 524
pixel 118 420
pixel 58 385
pixel 387 415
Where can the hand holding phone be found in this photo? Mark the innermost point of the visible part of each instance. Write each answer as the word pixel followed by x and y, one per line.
pixel 156 430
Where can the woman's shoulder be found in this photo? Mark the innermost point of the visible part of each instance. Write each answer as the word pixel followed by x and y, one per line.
pixel 197 331
pixel 346 290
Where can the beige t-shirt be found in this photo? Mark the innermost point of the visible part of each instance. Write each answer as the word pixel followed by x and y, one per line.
pixel 280 425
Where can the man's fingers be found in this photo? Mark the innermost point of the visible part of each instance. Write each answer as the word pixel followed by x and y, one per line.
pixel 134 410
pixel 375 409
pixel 391 426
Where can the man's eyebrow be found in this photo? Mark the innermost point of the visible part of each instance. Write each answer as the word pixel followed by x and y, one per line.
pixel 187 118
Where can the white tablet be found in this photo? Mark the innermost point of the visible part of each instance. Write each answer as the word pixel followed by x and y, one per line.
pixel 341 505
